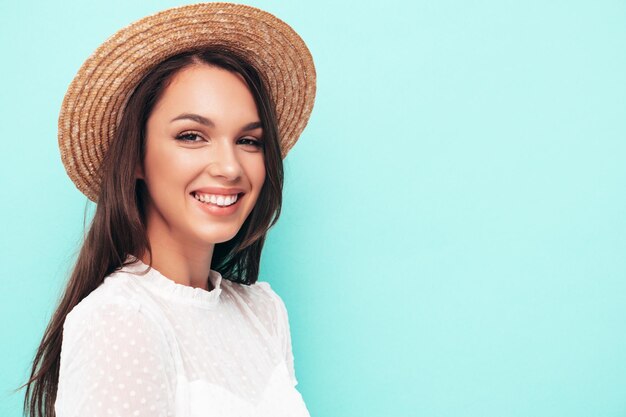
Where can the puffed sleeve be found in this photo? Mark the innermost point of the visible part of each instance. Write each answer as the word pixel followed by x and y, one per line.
pixel 115 362
pixel 284 334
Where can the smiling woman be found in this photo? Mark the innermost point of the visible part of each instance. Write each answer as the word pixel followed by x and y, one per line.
pixel 192 164
pixel 182 150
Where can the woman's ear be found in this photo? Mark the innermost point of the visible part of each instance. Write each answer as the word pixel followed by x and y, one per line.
pixel 138 171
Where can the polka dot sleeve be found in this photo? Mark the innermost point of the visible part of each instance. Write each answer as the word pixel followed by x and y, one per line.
pixel 283 332
pixel 115 362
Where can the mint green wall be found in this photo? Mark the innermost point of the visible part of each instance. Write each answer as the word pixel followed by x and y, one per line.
pixel 454 230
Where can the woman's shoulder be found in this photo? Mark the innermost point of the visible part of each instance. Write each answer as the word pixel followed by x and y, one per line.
pixel 277 300
pixel 261 292
pixel 113 314
pixel 262 299
pixel 265 288
pixel 114 295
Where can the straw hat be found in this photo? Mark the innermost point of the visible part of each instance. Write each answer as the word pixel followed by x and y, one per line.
pixel 95 99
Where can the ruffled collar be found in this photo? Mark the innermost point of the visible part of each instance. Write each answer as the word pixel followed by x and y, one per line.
pixel 172 290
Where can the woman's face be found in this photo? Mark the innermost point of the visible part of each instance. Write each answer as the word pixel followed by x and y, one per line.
pixel 203 142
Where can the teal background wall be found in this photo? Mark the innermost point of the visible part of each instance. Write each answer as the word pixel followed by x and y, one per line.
pixel 454 230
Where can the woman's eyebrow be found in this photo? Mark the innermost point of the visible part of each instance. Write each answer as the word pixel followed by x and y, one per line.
pixel 208 122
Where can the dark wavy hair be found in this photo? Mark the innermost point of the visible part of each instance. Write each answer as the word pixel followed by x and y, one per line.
pixel 118 227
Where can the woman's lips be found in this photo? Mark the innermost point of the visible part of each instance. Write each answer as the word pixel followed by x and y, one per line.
pixel 216 198
pixel 214 209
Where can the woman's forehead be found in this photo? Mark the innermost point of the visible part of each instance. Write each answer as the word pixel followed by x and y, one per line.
pixel 213 93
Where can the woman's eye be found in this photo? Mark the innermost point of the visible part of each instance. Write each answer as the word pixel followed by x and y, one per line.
pixel 253 142
pixel 188 137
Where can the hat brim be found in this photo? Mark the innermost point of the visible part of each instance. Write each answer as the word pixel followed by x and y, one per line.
pixel 95 99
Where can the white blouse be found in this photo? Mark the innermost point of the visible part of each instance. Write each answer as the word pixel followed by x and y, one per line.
pixel 144 345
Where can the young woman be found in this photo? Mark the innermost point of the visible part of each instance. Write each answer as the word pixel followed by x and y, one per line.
pixel 176 127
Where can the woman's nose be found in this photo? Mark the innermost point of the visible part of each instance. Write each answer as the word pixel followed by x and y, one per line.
pixel 224 162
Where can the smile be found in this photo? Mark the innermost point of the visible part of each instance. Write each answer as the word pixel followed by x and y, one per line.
pixel 217 199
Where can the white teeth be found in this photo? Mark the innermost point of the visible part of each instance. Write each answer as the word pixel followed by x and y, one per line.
pixel 219 200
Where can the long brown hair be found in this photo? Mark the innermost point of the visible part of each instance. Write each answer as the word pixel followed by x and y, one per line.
pixel 118 227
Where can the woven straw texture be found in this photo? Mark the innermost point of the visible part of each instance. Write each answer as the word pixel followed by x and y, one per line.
pixel 96 97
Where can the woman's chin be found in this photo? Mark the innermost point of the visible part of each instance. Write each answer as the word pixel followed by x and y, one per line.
pixel 213 236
